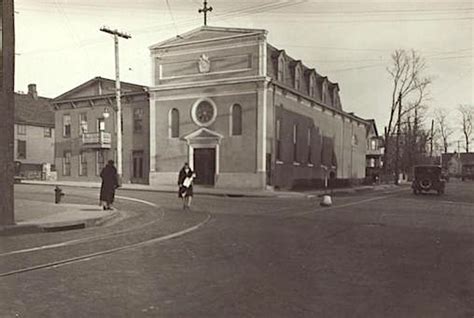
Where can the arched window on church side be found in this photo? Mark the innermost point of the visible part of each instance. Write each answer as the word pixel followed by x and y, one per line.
pixel 236 120
pixel 174 123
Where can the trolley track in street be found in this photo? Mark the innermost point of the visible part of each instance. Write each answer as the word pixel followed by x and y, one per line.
pixel 125 234
pixel 282 213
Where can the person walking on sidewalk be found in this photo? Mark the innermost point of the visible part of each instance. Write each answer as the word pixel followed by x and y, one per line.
pixel 109 184
pixel 185 183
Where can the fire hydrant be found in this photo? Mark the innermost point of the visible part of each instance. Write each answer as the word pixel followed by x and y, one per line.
pixel 58 193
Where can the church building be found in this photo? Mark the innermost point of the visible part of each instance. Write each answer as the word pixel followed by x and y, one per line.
pixel 244 114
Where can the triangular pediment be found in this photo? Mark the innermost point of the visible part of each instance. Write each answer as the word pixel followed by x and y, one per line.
pixel 98 86
pixel 206 33
pixel 203 133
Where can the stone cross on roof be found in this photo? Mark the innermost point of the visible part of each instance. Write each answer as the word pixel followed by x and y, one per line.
pixel 205 10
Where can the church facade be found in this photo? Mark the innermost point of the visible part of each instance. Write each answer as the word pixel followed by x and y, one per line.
pixel 244 114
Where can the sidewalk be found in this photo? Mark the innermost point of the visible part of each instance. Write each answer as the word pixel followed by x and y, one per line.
pixel 38 216
pixel 219 192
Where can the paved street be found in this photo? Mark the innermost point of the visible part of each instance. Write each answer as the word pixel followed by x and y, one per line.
pixel 373 254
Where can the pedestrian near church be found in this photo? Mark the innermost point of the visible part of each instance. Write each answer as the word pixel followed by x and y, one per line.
pixel 109 184
pixel 185 183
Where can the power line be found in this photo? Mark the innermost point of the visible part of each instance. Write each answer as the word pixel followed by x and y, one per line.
pixel 172 16
pixel 384 12
pixel 357 68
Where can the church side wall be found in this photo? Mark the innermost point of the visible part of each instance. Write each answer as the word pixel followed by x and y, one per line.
pixel 337 132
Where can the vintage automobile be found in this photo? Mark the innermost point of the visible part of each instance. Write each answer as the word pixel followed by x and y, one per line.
pixel 427 178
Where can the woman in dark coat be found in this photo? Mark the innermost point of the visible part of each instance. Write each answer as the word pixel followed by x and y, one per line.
pixel 185 183
pixel 109 184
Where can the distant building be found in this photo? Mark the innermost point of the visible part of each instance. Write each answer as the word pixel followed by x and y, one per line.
pixel 459 164
pixel 86 134
pixel 34 135
pixel 375 151
pixel 244 114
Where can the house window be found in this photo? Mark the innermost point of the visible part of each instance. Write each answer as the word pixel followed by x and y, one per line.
pixel 372 163
pixel 48 132
pixel 67 163
pixel 83 123
pixel 138 120
pixel 310 155
pixel 297 77
pixel 100 162
pixel 21 149
pixel 21 129
pixel 137 164
pixel 295 143
pixel 373 144
pixel 100 124
pixel 174 123
pixel 236 123
pixel 66 126
pixel 82 164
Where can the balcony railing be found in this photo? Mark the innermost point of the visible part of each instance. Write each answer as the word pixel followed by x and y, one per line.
pixel 97 140
pixel 375 152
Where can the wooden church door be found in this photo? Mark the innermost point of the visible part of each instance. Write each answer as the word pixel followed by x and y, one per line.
pixel 205 165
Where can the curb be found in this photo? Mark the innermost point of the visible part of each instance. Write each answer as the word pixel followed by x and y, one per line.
pixel 20 229
pixel 236 194
pixel 196 191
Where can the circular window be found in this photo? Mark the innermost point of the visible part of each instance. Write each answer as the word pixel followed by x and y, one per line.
pixel 204 112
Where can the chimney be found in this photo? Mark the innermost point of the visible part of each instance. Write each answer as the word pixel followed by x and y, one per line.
pixel 32 91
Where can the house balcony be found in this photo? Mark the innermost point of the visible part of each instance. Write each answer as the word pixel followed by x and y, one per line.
pixel 375 152
pixel 97 140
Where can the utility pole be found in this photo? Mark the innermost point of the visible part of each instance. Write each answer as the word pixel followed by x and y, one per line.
pixel 116 35
pixel 205 10
pixel 397 156
pixel 7 109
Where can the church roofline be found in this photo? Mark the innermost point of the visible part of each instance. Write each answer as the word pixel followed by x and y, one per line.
pixel 240 32
pixel 343 113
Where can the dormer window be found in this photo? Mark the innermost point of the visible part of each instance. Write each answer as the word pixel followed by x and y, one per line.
pixel 324 92
pixel 281 68
pixel 335 99
pixel 297 83
pixel 312 85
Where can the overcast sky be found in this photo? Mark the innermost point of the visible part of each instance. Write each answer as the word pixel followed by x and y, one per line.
pixel 60 45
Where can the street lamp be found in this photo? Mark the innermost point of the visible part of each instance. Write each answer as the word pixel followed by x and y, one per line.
pixel 106 113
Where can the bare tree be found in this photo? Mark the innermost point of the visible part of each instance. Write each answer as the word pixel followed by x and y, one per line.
pixel 467 121
pixel 443 129
pixel 409 84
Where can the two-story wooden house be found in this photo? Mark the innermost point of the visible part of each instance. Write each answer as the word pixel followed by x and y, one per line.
pixel 86 131
pixel 34 135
